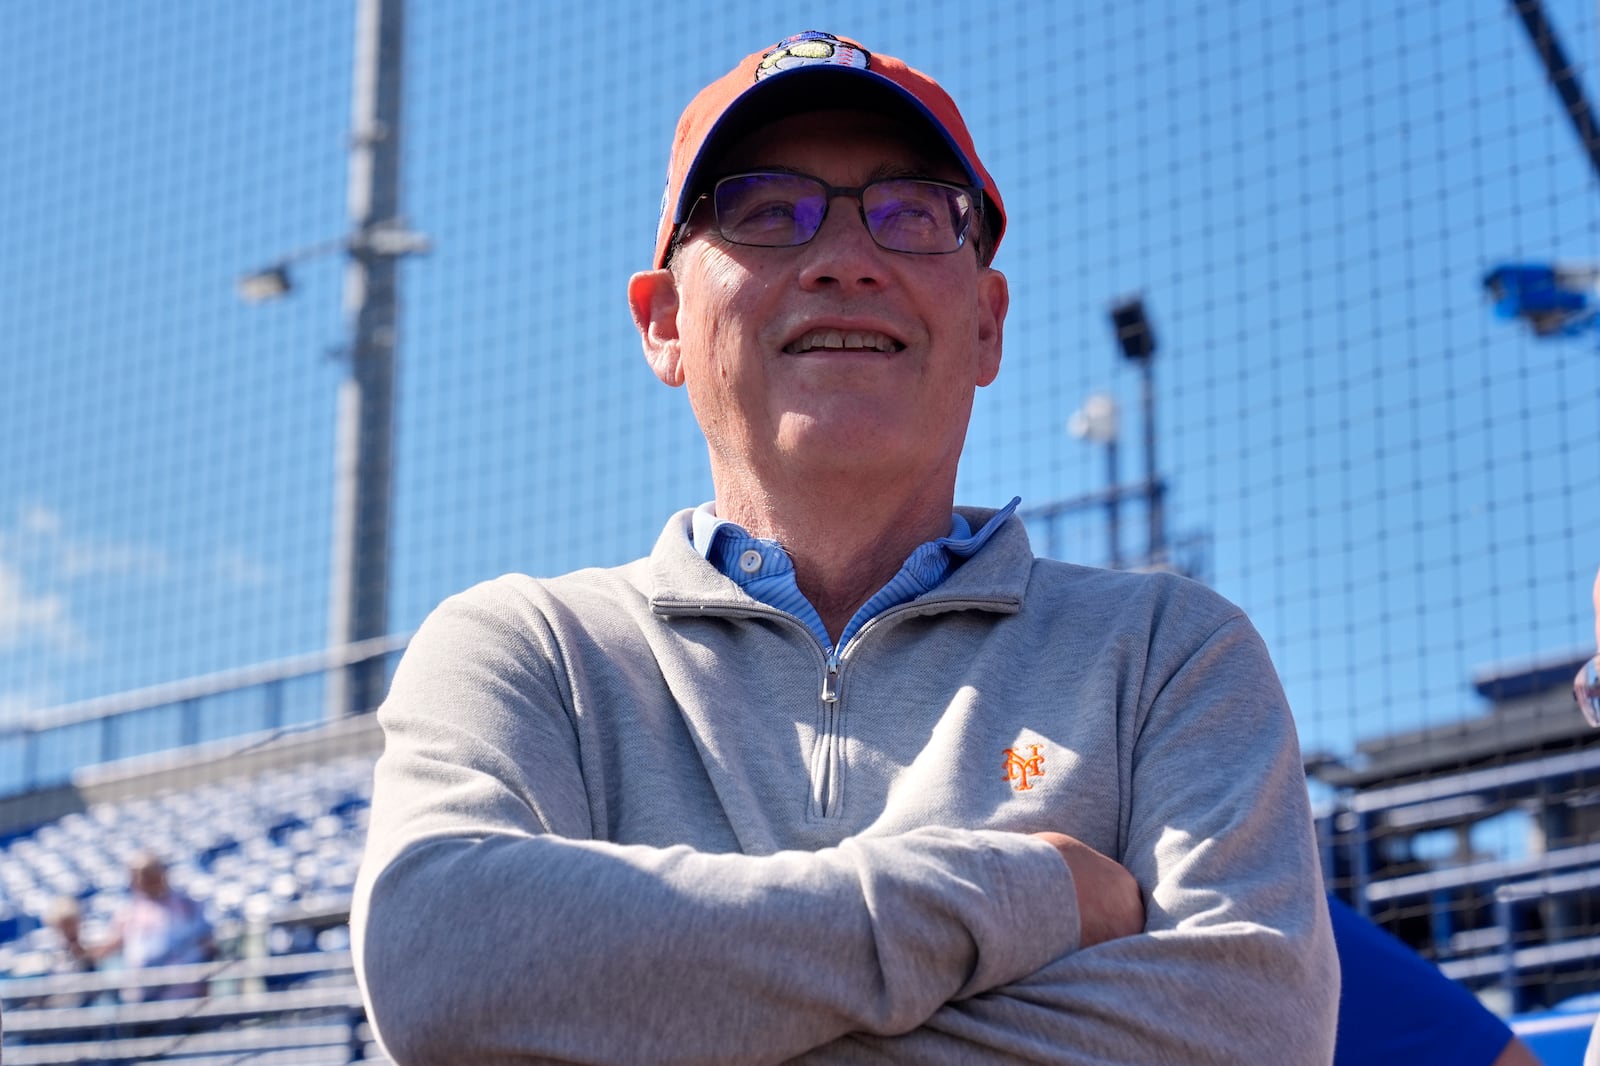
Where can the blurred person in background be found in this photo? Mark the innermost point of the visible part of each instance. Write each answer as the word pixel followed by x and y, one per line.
pixel 840 773
pixel 65 919
pixel 157 926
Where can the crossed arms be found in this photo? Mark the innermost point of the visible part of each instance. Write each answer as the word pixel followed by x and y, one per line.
pixel 495 923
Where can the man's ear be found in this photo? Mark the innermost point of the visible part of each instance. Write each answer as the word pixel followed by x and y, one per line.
pixel 653 297
pixel 994 299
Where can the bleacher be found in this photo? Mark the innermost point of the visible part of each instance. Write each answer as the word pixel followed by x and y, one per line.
pixel 1475 842
pixel 271 855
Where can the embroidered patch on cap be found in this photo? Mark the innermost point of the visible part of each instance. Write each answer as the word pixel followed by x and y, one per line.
pixel 808 49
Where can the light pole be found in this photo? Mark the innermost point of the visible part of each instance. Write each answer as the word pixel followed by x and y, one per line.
pixel 1137 341
pixel 358 595
pixel 1097 420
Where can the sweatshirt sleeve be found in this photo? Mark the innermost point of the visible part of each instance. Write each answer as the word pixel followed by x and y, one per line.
pixel 490 926
pixel 1237 963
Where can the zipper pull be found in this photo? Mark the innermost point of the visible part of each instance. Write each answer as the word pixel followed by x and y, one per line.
pixel 830 679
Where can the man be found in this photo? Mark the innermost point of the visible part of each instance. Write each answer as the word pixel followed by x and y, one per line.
pixel 157 926
pixel 840 772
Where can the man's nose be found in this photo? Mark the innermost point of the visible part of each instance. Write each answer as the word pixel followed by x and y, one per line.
pixel 843 252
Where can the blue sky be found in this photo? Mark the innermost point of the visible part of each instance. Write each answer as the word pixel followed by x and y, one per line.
pixel 1396 486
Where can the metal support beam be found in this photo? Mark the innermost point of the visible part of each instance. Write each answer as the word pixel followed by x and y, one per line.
pixel 1113 507
pixel 1562 77
pixel 1157 553
pixel 364 448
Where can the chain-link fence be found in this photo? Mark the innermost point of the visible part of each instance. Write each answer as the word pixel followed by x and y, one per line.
pixel 1303 201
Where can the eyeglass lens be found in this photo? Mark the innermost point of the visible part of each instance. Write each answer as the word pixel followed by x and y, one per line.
pixel 777 210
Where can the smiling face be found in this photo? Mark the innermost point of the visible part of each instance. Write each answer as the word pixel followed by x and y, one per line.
pixel 837 357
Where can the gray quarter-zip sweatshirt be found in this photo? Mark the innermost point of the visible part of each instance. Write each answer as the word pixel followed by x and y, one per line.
pixel 635 816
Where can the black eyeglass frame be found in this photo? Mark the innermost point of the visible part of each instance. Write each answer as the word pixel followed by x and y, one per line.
pixel 974 215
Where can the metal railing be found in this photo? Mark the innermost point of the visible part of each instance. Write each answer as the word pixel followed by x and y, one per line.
pixel 47 747
pixel 81 1017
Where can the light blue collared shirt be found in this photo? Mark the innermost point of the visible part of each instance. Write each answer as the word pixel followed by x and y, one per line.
pixel 764 570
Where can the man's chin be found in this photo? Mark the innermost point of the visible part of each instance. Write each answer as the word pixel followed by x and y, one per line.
pixel 849 446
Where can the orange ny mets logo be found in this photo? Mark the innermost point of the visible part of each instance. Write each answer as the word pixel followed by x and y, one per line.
pixel 1019 769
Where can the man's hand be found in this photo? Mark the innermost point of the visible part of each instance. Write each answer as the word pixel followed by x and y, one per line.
pixel 1109 903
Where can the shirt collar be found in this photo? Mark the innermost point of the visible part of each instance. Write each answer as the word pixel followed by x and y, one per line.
pixel 762 569
pixel 724 545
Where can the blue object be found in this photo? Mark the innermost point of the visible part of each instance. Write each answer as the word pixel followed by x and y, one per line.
pixel 1559 1035
pixel 1396 1007
pixel 1556 301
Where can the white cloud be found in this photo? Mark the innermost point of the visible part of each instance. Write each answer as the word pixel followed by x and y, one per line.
pixel 236 568
pixel 34 619
pixel 19 705
pixel 40 545
pixel 81 558
pixel 39 559
pixel 40 520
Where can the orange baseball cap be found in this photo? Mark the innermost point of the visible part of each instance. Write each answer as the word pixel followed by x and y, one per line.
pixel 810 71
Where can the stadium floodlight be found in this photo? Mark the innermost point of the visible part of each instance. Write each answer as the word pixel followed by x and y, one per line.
pixel 1132 327
pixel 1096 420
pixel 273 282
pixel 262 285
pixel 1555 300
pixel 1136 339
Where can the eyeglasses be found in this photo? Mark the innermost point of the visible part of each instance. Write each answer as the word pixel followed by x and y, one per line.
pixel 776 209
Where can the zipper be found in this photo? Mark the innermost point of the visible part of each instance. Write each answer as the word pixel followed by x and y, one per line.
pixel 830 678
pixel 826 771
pixel 822 767
pixel 825 757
